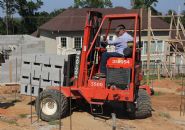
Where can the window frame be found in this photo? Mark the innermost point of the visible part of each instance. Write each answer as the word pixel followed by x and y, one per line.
pixel 75 43
pixel 155 44
pixel 62 45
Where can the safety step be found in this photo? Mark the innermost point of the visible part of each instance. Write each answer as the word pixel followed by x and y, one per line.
pixel 96 103
pixel 96 108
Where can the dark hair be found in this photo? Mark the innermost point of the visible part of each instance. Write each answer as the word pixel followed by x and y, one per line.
pixel 120 27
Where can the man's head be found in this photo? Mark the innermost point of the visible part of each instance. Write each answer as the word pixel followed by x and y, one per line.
pixel 120 29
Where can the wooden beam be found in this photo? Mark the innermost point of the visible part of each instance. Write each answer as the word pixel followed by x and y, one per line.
pixel 171 24
pixel 163 29
pixel 10 71
pixel 164 16
pixel 141 18
pixel 149 42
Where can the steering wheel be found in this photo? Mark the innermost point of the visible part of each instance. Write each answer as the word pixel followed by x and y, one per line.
pixel 103 44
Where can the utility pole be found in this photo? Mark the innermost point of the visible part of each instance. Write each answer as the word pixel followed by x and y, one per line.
pixel 149 42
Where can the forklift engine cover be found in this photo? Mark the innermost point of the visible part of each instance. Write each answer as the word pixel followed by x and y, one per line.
pixel 121 69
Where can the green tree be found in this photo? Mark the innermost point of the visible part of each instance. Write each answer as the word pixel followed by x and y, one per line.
pixel 42 17
pixel 8 6
pixel 28 11
pixel 2 27
pixel 9 9
pixel 143 3
pixel 183 18
pixel 92 3
pixel 168 19
pixel 56 12
pixel 137 4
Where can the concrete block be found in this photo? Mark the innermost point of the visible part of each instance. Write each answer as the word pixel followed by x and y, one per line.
pixel 26 65
pixel 25 89
pixel 44 59
pixel 37 73
pixel 25 79
pixel 54 74
pixel 55 83
pixel 58 60
pixel 36 66
pixel 45 83
pixel 34 90
pixel 35 81
pixel 26 72
pixel 45 75
pixel 29 57
pixel 46 67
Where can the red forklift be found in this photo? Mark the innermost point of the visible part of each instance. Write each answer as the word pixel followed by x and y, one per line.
pixel 122 81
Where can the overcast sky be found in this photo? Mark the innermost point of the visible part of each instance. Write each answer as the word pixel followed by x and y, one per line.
pixel 162 6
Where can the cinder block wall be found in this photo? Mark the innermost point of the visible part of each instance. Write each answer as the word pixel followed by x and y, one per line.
pixel 41 70
pixel 23 44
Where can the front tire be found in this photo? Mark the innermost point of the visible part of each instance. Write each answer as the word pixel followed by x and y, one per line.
pixel 51 105
pixel 142 107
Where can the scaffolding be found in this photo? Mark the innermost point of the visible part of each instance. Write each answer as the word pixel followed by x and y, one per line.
pixel 175 43
pixel 182 103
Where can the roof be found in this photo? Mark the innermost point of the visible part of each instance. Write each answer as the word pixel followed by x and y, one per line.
pixel 35 34
pixel 74 19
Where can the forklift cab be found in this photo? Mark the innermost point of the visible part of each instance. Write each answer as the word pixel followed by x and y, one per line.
pixel 122 72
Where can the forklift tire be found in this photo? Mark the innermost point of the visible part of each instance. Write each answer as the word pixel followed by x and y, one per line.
pixel 143 108
pixel 51 105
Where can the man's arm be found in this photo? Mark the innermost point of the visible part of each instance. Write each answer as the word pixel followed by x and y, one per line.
pixel 116 41
pixel 130 38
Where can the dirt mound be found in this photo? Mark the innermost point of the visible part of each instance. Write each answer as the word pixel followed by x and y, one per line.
pixel 166 83
pixel 9 89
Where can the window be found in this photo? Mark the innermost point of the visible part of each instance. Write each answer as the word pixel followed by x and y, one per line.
pixel 145 47
pixel 77 42
pixel 159 46
pixel 156 47
pixel 63 41
pixel 153 47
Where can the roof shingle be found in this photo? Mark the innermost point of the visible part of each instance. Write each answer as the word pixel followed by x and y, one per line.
pixel 74 19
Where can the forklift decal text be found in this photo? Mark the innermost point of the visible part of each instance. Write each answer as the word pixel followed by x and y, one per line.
pixel 120 61
pixel 96 84
pixel 77 62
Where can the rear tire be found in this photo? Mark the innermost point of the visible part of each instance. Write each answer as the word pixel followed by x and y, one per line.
pixel 51 105
pixel 143 107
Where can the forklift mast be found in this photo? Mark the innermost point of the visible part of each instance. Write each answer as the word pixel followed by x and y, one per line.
pixel 93 20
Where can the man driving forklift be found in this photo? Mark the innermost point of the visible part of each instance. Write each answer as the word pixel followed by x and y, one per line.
pixel 120 44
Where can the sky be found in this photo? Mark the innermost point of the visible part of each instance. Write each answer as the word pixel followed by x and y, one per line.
pixel 162 5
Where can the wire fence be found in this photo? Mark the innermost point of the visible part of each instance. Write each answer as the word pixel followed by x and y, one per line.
pixel 164 70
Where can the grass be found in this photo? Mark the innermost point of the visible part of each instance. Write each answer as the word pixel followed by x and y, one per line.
pixel 158 93
pixel 23 115
pixel 165 115
pixel 9 121
pixel 56 122
pixel 151 77
pixel 12 122
pixel 13 100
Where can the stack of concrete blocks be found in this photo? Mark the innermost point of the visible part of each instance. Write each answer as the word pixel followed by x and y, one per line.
pixel 20 45
pixel 40 71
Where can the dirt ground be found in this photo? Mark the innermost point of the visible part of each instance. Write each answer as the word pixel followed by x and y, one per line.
pixel 15 113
